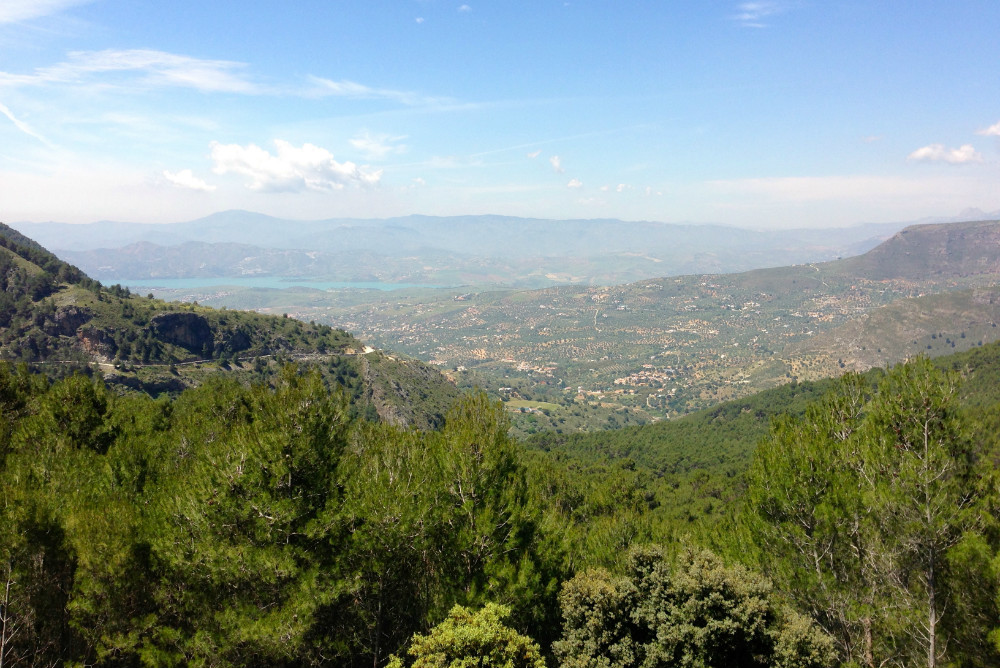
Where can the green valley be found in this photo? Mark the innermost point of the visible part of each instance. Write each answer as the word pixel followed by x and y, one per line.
pixel 627 354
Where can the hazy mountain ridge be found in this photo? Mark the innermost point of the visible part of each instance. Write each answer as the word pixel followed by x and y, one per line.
pixel 939 250
pixel 426 250
pixel 598 357
pixel 491 235
pixel 665 345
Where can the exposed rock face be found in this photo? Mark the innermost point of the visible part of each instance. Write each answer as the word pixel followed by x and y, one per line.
pixel 97 342
pixel 67 320
pixel 187 330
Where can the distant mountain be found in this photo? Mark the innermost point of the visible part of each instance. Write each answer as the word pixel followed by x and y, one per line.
pixel 586 357
pixel 435 250
pixel 57 320
pixel 932 251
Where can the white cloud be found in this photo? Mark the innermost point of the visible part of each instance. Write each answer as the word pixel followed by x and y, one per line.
pixel 157 68
pixel 186 179
pixel 291 169
pixel 556 164
pixel 22 126
pixel 575 183
pixel 753 14
pixel 535 154
pixel 465 8
pixel 938 153
pixel 992 131
pixel 622 187
pixel 354 90
pixel 419 19
pixel 376 147
pixel 12 11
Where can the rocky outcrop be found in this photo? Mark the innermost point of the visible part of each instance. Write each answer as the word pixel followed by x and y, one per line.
pixel 187 330
pixel 67 320
pixel 97 342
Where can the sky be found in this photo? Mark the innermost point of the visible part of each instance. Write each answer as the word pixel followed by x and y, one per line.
pixel 769 114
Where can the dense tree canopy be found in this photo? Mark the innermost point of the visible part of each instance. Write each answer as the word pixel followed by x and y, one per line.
pixel 694 613
pixel 862 508
pixel 272 525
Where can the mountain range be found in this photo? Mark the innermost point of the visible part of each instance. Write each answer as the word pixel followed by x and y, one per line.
pixel 458 250
pixel 572 357
pixel 593 357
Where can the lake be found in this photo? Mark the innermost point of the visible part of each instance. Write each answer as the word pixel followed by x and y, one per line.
pixel 260 282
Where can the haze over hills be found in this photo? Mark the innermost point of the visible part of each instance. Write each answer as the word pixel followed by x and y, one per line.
pixel 459 250
pixel 598 356
pixel 586 357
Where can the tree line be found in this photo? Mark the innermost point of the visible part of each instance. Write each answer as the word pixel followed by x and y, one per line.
pixel 271 525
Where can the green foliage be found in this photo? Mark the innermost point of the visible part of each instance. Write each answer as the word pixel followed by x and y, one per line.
pixel 861 508
pixel 467 639
pixel 696 612
pixel 272 524
pixel 234 524
pixel 435 518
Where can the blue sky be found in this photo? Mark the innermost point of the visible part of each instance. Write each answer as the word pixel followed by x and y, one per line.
pixel 762 114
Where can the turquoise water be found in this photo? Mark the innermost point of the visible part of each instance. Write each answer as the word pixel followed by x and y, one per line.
pixel 272 282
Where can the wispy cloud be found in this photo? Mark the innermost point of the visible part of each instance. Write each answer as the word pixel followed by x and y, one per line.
pixel 754 14
pixel 12 11
pixel 154 68
pixel 992 131
pixel 556 164
pixel 939 153
pixel 534 154
pixel 376 147
pixel 119 68
pixel 291 169
pixel 354 90
pixel 22 126
pixel 464 8
pixel 574 183
pixel 186 179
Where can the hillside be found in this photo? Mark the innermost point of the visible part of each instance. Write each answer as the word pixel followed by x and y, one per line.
pixel 920 252
pixel 582 358
pixel 58 320
pixel 720 440
pixel 932 325
pixel 577 358
pixel 268 524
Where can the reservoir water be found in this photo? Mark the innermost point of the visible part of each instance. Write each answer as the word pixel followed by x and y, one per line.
pixel 259 282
